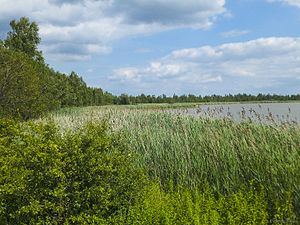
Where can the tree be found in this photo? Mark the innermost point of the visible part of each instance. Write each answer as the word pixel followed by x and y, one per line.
pixel 78 87
pixel 24 37
pixel 19 85
pixel 124 100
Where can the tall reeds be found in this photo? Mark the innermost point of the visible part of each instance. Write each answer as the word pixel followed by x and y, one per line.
pixel 191 151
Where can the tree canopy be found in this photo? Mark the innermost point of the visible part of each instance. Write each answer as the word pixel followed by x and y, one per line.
pixel 29 87
pixel 24 37
pixel 19 91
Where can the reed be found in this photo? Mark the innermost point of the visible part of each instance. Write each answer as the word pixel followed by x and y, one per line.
pixel 190 151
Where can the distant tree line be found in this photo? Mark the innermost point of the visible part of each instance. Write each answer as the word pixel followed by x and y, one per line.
pixel 126 99
pixel 29 87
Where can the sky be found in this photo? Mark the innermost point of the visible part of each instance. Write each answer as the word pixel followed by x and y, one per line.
pixel 200 47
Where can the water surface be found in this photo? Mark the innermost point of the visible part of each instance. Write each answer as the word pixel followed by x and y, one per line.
pixel 256 112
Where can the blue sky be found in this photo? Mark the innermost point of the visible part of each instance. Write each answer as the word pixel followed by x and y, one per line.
pixel 170 46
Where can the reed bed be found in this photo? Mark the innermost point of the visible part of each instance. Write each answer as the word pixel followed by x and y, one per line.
pixel 190 151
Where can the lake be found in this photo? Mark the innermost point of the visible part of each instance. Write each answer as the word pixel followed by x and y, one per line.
pixel 256 112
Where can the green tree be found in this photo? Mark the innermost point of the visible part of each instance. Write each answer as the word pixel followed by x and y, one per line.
pixel 24 37
pixel 19 85
pixel 124 100
pixel 50 87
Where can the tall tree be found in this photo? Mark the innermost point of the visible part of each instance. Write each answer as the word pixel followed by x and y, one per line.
pixel 19 85
pixel 24 37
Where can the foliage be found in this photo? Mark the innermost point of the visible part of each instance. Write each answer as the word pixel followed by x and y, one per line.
pixel 89 176
pixel 188 150
pixel 195 207
pixel 227 155
pixel 29 87
pixel 50 179
pixel 125 99
pixel 24 37
pixel 209 98
pixel 19 86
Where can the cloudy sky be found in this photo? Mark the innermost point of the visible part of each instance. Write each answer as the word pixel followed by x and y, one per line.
pixel 169 46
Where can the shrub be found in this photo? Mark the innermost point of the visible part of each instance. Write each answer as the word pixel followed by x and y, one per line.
pixel 46 178
pixel 201 207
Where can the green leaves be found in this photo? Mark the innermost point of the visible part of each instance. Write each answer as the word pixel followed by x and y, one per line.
pixel 47 177
pixel 28 87
pixel 24 37
pixel 184 206
pixel 19 86
pixel 90 177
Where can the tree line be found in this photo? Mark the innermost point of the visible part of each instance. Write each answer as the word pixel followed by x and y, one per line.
pixel 127 99
pixel 29 87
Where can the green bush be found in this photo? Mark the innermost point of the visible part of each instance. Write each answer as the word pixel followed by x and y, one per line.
pixel 46 178
pixel 195 207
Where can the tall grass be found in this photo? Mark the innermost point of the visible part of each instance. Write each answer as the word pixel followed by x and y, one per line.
pixel 189 151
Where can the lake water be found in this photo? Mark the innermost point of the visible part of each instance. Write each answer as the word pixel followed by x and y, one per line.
pixel 256 112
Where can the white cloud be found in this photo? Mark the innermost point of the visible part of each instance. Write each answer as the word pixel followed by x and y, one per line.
pixel 251 65
pixel 234 33
pixel 73 51
pixel 125 74
pixel 99 22
pixel 67 57
pixel 192 13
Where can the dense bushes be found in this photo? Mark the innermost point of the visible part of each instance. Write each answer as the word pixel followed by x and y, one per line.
pixel 184 206
pixel 49 179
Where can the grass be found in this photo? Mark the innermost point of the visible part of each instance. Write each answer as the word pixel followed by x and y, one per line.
pixel 188 151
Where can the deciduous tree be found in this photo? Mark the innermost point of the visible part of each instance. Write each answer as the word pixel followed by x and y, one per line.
pixel 24 37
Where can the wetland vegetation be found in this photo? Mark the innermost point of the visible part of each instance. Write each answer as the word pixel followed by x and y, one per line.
pixel 178 163
pixel 192 153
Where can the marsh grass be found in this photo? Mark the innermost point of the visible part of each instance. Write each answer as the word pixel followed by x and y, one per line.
pixel 189 151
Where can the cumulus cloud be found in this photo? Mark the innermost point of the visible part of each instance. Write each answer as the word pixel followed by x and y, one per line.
pixel 232 67
pixel 192 13
pixel 73 51
pixel 99 22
